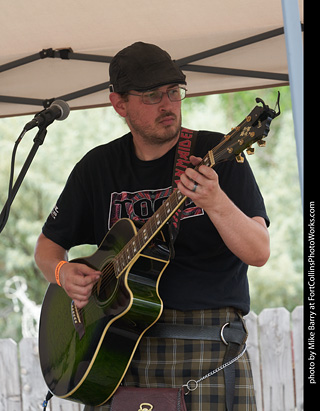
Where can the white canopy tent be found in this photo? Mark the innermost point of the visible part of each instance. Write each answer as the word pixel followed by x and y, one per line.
pixel 62 49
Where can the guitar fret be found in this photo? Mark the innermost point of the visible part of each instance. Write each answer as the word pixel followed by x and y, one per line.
pixel 116 267
pixel 180 195
pixel 134 247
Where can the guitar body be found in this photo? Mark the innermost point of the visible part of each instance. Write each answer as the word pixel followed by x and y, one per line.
pixel 84 354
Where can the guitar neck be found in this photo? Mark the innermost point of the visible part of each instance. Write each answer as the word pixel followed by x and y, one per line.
pixel 155 223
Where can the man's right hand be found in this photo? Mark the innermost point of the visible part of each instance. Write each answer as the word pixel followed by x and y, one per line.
pixel 78 280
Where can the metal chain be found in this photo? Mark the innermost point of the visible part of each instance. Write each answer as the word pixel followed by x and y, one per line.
pixel 192 385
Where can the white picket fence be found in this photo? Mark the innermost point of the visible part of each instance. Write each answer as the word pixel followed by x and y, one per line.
pixel 275 346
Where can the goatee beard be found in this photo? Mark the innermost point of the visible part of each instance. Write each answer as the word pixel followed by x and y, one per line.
pixel 158 134
pixel 168 133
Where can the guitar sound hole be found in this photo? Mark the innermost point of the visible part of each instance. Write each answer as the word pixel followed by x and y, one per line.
pixel 106 287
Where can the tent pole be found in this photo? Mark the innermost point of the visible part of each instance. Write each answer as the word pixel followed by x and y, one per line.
pixel 293 36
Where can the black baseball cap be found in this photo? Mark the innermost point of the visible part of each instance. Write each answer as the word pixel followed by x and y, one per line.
pixel 142 67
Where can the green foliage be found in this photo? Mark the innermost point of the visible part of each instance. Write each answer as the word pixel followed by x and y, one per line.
pixel 278 283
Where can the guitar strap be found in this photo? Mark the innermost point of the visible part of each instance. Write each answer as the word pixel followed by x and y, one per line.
pixel 185 147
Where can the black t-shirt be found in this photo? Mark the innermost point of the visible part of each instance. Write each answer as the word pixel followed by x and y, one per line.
pixel 110 182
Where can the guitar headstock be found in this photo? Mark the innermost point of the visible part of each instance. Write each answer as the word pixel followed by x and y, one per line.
pixel 253 129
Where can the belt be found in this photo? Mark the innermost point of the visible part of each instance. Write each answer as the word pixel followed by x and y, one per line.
pixel 233 332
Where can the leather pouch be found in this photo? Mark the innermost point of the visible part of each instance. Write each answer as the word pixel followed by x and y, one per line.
pixel 148 399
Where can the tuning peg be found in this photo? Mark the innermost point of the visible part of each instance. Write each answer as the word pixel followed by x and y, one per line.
pixel 239 158
pixel 261 143
pixel 250 150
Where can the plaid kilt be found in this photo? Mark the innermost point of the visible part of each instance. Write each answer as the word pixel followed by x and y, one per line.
pixel 162 362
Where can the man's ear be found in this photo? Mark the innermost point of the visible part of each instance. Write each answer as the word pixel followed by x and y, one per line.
pixel 119 104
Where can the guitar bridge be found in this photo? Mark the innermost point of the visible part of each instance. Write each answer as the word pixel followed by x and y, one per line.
pixel 77 320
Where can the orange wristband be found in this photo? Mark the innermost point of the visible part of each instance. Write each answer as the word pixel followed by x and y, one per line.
pixel 57 271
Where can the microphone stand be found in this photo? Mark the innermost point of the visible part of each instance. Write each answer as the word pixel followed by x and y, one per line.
pixel 37 142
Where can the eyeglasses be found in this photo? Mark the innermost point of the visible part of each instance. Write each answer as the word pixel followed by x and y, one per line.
pixel 154 97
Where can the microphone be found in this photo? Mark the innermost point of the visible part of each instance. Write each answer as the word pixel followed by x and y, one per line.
pixel 59 110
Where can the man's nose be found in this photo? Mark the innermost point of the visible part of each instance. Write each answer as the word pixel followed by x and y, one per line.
pixel 165 102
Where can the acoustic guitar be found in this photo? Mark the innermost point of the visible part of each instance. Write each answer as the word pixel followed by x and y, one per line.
pixel 85 353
